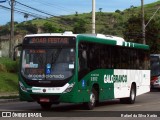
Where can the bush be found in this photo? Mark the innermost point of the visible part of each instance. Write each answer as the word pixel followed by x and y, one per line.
pixel 2 68
pixel 8 65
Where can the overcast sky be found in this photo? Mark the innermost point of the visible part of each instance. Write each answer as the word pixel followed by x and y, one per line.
pixel 64 7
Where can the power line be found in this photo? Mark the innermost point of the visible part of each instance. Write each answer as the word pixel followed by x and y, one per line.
pixel 35 9
pixel 54 5
pixel 152 17
pixel 36 15
pixel 29 13
pixel 21 12
pixel 18 11
pixel 38 10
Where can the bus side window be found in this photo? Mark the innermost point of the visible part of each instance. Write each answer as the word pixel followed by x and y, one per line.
pixel 83 68
pixel 144 60
pixel 83 60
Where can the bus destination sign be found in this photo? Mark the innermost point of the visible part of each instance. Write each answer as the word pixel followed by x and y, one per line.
pixel 49 40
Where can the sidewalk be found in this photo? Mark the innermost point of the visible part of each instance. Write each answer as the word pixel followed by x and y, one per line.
pixel 8 97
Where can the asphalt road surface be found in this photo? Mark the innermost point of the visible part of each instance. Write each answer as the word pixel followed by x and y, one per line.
pixel 146 106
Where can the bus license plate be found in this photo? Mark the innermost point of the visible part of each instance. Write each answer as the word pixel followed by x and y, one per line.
pixel 44 100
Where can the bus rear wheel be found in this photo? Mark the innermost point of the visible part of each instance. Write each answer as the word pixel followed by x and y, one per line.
pixel 131 98
pixel 93 97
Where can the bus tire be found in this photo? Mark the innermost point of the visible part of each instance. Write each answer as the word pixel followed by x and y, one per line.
pixel 46 106
pixel 131 98
pixel 93 98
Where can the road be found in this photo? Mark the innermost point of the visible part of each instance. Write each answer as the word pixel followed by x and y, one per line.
pixel 146 102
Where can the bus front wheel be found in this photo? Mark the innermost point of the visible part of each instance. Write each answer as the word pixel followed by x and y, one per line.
pixel 92 101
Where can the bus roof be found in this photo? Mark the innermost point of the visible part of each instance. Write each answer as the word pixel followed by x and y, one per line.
pixel 111 40
pixel 67 33
pixel 98 38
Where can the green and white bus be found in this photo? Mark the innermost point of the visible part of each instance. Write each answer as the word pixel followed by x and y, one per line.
pixel 65 67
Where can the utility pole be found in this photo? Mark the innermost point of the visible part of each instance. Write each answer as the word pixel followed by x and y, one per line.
pixel 143 22
pixel 11 43
pixel 93 17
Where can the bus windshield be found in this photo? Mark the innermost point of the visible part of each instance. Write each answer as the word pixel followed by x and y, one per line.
pixel 48 64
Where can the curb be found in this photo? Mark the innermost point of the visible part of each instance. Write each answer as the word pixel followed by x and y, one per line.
pixel 9 100
pixel 5 98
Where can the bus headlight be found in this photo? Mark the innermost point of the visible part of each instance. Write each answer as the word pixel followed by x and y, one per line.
pixel 69 88
pixel 22 87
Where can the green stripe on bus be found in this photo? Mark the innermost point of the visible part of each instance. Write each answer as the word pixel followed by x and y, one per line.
pixel 135 45
pixel 95 40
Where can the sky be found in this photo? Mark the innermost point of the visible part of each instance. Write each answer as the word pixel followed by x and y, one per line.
pixel 63 7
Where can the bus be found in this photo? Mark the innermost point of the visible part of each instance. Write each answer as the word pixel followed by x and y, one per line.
pixel 155 71
pixel 69 68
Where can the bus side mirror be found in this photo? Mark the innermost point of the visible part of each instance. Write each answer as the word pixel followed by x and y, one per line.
pixel 15 52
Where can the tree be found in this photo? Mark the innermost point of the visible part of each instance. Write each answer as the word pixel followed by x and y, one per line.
pixel 153 36
pixel 133 32
pixel 4 30
pixel 49 28
pixel 131 6
pixel 108 30
pixel 26 16
pixel 100 9
pixel 118 11
pixel 28 27
pixel 79 26
pixel 31 28
pixel 76 13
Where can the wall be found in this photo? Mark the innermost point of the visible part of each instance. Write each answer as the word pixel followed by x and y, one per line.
pixel 4 44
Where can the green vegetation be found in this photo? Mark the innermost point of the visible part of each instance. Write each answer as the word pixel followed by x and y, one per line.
pixel 133 32
pixel 8 82
pixel 8 76
pixel 106 22
pixel 8 65
pixel 125 24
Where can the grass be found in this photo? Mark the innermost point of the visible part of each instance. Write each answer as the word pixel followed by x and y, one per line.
pixel 8 83
pixel 8 77
pixel 8 65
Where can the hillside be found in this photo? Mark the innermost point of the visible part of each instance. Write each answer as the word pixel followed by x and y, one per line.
pixel 106 23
